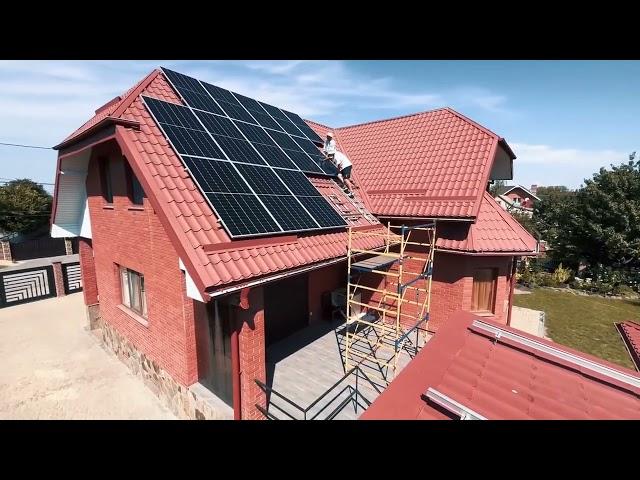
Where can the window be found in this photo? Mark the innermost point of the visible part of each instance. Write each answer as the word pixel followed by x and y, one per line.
pixel 105 180
pixel 136 193
pixel 483 297
pixel 133 293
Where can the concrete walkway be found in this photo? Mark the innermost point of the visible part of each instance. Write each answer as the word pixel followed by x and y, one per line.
pixel 53 368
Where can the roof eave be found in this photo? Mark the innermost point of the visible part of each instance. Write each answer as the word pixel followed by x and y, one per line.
pixel 105 122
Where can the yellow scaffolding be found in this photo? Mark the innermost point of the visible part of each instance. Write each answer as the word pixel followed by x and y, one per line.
pixel 385 322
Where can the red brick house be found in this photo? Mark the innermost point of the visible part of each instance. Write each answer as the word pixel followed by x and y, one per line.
pixel 517 198
pixel 192 311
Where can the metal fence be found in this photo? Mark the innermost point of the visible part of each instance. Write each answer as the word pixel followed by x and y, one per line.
pixel 71 277
pixel 38 248
pixel 28 285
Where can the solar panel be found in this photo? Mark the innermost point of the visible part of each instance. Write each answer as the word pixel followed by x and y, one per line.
pixel 255 133
pixel 236 111
pixel 274 156
pixel 247 167
pixel 173 114
pixel 192 142
pixel 302 125
pixel 249 103
pixel 263 180
pixel 298 183
pixel 288 212
pixel 265 120
pixel 303 161
pixel 324 213
pixel 239 150
pixel 242 214
pixel 216 175
pixel 220 93
pixel 201 101
pixel 219 125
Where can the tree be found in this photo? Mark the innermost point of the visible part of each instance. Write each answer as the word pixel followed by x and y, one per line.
pixel 527 223
pixel 495 187
pixel 25 206
pixel 600 222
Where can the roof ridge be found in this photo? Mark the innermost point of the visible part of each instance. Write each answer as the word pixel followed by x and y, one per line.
pixel 475 124
pixel 318 123
pixel 391 118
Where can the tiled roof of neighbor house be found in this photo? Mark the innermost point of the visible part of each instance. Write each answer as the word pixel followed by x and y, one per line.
pixel 507 188
pixel 512 376
pixel 494 231
pixel 216 259
pixel 630 332
pixel 430 164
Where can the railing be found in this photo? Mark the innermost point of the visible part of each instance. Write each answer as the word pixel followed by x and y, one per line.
pixel 354 397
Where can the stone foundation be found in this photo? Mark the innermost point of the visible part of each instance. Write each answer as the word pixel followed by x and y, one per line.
pixel 93 316
pixel 184 402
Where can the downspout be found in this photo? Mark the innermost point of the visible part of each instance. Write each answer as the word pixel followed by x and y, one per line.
pixel 514 267
pixel 235 369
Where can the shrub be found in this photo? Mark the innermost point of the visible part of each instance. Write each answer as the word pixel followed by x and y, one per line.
pixel 561 275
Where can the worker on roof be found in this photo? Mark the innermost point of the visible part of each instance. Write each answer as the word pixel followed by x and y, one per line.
pixel 340 161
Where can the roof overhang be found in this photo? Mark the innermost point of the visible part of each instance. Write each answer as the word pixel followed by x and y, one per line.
pixel 99 126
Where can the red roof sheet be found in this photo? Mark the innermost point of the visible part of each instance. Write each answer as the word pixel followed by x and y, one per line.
pixel 495 231
pixel 193 222
pixel 630 332
pixel 502 380
pixel 430 164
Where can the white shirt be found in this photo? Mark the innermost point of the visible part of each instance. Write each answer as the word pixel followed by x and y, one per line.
pixel 342 161
pixel 329 146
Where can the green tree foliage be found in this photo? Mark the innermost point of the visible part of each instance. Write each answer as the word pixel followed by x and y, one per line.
pixel 527 222
pixel 495 186
pixel 600 222
pixel 25 206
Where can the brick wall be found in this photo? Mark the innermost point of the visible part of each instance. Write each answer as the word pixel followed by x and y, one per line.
pixel 252 354
pixel 323 280
pixel 132 236
pixel 88 271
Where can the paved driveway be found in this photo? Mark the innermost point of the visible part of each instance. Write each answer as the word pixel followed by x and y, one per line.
pixel 51 367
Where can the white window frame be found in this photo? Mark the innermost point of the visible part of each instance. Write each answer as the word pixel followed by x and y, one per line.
pixel 130 282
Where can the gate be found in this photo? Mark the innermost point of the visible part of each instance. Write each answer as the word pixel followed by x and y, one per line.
pixel 28 285
pixel 38 248
pixel 71 277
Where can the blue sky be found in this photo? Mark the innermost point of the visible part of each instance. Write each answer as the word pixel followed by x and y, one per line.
pixel 563 119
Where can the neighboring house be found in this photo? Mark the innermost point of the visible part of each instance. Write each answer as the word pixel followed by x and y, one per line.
pixel 475 368
pixel 516 198
pixel 195 310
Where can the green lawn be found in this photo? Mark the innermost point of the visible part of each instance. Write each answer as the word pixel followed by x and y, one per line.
pixel 584 323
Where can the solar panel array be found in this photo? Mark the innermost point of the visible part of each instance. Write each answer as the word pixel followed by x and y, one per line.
pixel 248 159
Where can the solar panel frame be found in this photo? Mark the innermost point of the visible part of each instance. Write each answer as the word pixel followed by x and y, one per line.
pixel 263 180
pixel 237 112
pixel 239 151
pixel 289 212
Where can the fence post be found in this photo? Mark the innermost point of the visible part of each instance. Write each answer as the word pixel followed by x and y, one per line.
pixel 59 279
pixel 68 247
pixel 5 251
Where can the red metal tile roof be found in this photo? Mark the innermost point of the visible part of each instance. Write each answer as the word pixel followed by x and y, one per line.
pixel 630 332
pixel 503 380
pixel 192 223
pixel 430 164
pixel 494 231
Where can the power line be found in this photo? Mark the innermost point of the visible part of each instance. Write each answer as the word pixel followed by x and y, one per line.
pixel 24 146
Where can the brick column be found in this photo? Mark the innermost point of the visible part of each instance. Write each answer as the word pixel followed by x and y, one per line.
pixel 89 282
pixel 5 251
pixel 68 247
pixel 252 355
pixel 59 279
